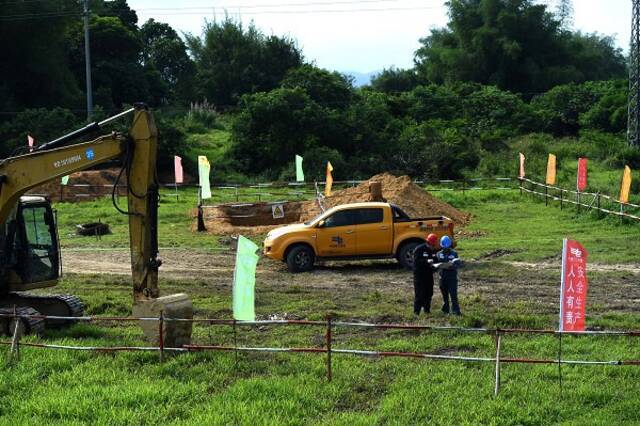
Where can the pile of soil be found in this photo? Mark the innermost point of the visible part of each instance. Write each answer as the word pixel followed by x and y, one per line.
pixel 83 186
pixel 257 218
pixel 414 200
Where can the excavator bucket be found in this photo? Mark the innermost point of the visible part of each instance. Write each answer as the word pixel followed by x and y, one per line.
pixel 174 308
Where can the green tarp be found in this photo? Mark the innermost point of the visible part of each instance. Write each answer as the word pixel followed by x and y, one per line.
pixel 244 280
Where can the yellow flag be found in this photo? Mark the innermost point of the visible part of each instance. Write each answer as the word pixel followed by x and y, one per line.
pixel 551 170
pixel 327 187
pixel 626 185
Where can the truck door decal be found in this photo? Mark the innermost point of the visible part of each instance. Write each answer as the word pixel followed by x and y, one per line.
pixel 337 242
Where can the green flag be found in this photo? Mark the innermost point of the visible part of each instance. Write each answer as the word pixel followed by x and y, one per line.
pixel 244 280
pixel 299 171
pixel 65 180
pixel 204 168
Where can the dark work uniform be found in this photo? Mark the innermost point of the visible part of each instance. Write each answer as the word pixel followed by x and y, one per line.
pixel 423 259
pixel 449 281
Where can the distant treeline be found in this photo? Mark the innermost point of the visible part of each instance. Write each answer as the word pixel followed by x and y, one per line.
pixel 500 69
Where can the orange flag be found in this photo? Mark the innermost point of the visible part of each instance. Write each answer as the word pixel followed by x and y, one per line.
pixel 522 158
pixel 329 180
pixel 625 187
pixel 551 170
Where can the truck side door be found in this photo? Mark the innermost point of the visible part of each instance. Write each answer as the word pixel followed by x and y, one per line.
pixel 336 235
pixel 374 231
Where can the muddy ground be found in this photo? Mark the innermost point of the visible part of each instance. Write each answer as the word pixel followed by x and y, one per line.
pixel 494 284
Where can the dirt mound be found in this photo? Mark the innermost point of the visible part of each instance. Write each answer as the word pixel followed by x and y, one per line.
pixel 82 186
pixel 396 190
pixel 258 218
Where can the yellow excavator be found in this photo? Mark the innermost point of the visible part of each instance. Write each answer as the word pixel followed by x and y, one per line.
pixel 29 246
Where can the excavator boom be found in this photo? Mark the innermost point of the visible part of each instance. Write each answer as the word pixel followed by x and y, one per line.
pixel 138 151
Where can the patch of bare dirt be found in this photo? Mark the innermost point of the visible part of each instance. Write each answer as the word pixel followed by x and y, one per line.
pixel 259 218
pixel 82 186
pixel 493 284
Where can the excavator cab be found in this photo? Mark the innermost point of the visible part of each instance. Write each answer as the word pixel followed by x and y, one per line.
pixel 36 244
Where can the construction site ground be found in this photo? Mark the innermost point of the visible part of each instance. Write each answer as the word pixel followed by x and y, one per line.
pixel 512 246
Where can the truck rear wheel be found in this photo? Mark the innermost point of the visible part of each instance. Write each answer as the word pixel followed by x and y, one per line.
pixel 300 259
pixel 405 254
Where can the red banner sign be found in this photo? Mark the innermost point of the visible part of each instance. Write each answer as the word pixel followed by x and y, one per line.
pixel 573 289
pixel 582 174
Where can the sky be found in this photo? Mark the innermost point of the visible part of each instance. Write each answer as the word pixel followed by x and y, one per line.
pixel 359 35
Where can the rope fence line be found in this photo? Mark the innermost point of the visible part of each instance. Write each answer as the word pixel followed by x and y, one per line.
pixel 594 200
pixel 297 189
pixel 327 349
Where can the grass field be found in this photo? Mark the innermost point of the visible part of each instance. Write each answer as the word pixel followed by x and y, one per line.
pixel 47 386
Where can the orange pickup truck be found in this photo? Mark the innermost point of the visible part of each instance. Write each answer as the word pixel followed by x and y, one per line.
pixel 353 231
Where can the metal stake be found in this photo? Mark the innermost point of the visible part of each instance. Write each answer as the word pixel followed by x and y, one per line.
pixel 328 336
pixel 14 353
pixel 546 195
pixel 498 343
pixel 161 335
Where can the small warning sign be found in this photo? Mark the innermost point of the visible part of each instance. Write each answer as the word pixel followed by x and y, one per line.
pixel 277 210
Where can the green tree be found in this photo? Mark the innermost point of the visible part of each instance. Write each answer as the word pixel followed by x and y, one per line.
pixel 117 73
pixel 515 45
pixel 324 87
pixel 395 80
pixel 232 61
pixel 33 67
pixel 164 51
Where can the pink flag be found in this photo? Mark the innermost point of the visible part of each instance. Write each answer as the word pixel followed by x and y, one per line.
pixel 30 141
pixel 521 174
pixel 177 162
pixel 582 174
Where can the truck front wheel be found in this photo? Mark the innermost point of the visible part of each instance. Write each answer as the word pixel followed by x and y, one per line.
pixel 300 259
pixel 405 254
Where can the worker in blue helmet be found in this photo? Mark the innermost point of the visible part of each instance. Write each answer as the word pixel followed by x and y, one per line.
pixel 448 264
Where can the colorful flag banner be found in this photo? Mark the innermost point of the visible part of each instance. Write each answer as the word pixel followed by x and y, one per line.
pixel 204 168
pixel 244 280
pixel 573 286
pixel 30 141
pixel 522 159
pixel 551 170
pixel 581 183
pixel 299 171
pixel 329 180
pixel 625 187
pixel 177 165
pixel 65 180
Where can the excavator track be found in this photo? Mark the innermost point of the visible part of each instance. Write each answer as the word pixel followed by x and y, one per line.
pixel 63 305
pixel 27 324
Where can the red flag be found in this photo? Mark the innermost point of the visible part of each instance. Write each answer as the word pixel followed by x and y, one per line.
pixel 582 174
pixel 522 158
pixel 573 288
pixel 30 142
pixel 177 163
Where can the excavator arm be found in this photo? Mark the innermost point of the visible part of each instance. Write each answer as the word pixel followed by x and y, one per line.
pixel 138 151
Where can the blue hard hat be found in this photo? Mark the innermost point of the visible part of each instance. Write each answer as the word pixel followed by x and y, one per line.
pixel 445 242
